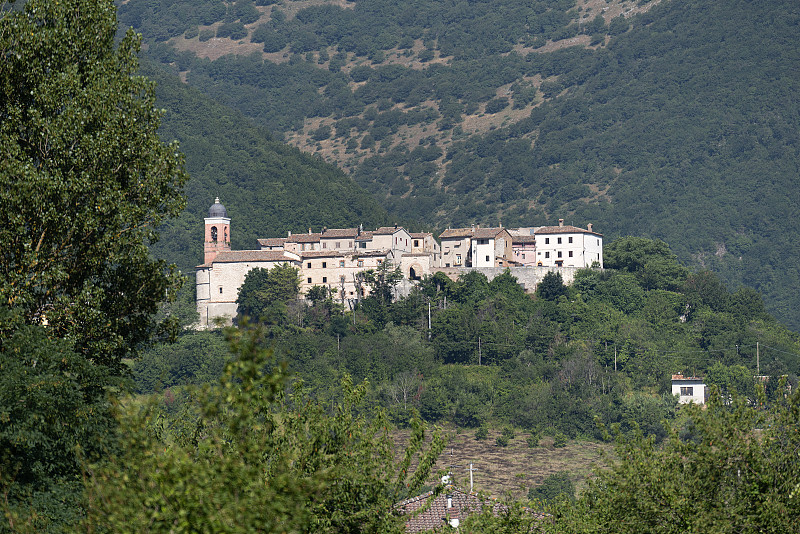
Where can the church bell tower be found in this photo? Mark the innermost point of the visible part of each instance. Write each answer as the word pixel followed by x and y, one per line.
pixel 218 232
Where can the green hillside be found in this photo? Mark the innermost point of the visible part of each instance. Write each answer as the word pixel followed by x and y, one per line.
pixel 267 186
pixel 659 119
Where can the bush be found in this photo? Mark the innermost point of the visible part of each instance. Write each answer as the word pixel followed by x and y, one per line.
pixel 502 440
pixel 553 488
pixel 533 441
pixel 481 434
pixel 206 34
pixel 496 105
pixel 509 432
pixel 560 439
pixel 191 32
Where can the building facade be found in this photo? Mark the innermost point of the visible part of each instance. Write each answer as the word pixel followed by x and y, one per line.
pixel 337 258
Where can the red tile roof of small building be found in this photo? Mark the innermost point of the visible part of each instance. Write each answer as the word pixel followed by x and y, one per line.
pixel 427 512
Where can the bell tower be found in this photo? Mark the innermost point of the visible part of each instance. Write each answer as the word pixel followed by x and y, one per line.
pixel 218 232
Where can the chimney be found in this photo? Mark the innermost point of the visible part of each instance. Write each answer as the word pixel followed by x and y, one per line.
pixel 449 501
pixel 589 227
pixel 309 230
pixel 473 227
pixel 324 229
pixel 290 233
pixel 561 222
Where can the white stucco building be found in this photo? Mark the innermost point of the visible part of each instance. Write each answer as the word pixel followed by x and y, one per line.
pixel 689 389
pixel 568 246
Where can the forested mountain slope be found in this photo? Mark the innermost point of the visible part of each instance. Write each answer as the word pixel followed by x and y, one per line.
pixel 267 186
pixel 674 120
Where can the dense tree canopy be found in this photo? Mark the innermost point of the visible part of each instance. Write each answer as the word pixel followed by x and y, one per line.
pixel 86 179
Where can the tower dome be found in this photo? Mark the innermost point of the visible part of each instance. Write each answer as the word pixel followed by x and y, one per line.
pixel 217 210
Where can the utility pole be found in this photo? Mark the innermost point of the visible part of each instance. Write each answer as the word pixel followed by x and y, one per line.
pixel 471 470
pixel 758 361
pixel 429 320
pixel 479 350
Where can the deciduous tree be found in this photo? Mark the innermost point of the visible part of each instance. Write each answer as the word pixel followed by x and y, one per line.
pixel 86 179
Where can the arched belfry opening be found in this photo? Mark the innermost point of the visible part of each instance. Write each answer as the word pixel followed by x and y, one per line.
pixel 216 241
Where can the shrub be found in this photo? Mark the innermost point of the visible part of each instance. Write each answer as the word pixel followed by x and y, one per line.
pixel 481 434
pixel 560 439
pixel 533 441
pixel 553 487
pixel 206 34
pixel 502 440
pixel 509 432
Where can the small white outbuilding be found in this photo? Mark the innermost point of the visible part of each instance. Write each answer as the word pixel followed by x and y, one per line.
pixel 689 389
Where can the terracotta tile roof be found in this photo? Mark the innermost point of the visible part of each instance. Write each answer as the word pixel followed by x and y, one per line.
pixel 252 255
pixel 420 235
pixel 333 233
pixel 481 233
pixel 456 232
pixel 383 230
pixel 487 233
pixel 564 230
pixel 304 238
pixel 523 239
pixel 272 241
pixel 431 511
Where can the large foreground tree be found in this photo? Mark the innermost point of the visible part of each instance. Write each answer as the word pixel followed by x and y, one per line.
pixel 85 177
pixel 84 181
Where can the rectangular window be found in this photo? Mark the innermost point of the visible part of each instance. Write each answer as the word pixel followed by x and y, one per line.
pixel 380 261
pixel 303 246
pixel 523 256
pixel 447 265
pixel 324 264
pixel 309 280
pixel 324 279
pixel 220 290
pixel 687 391
pixel 570 239
pixel 546 254
pixel 324 244
pixel 570 253
pixel 546 240
pixel 416 242
pixel 487 258
pixel 559 240
pixel 338 244
pixel 457 245
pixel 341 263
pixel 360 263
pixel 559 253
pixel 309 265
pixel 363 244
pixel 458 259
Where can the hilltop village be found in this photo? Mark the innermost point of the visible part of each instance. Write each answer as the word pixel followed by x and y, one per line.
pixel 334 257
